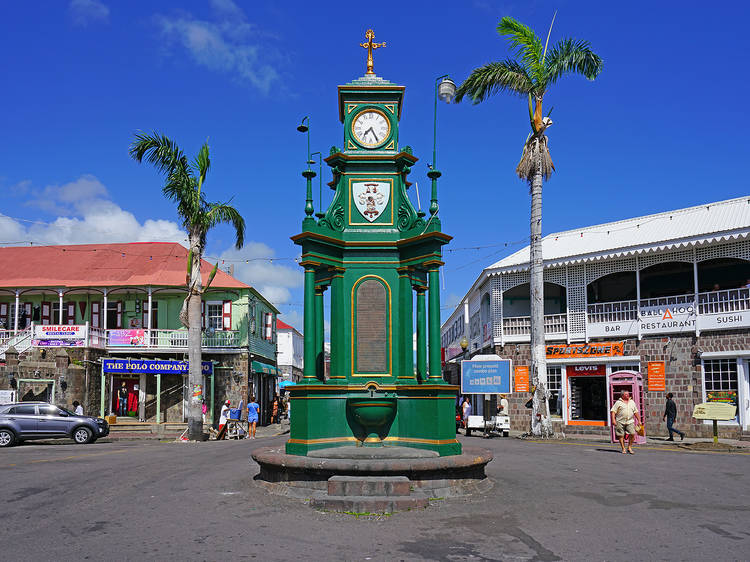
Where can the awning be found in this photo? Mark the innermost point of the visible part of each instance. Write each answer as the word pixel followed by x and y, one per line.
pixel 284 384
pixel 264 368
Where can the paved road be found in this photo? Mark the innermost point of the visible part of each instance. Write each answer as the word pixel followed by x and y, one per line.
pixel 551 501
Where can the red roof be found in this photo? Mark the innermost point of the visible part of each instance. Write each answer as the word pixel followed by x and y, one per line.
pixel 103 265
pixel 281 325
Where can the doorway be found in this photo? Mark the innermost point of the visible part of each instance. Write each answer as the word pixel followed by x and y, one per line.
pixel 588 400
pixel 132 388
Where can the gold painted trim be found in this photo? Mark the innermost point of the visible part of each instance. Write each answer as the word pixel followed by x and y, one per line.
pixel 390 107
pixel 390 146
pixel 361 142
pixel 351 146
pixel 348 244
pixel 390 203
pixel 390 326
pixel 351 107
pixel 322 440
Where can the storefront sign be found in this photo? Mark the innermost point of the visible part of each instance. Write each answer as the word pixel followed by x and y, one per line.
pixel 572 351
pixel 59 336
pixel 151 366
pixel 485 377
pixel 130 338
pixel 521 378
pixel 586 370
pixel 612 329
pixel 714 411
pixel 657 380
pixel 724 321
pixel 668 318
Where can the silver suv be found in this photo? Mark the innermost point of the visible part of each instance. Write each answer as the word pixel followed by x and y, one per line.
pixel 22 421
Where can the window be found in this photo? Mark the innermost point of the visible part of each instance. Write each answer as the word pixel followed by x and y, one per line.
pixel 49 411
pixel 617 368
pixel 214 315
pixel 554 385
pixel 720 379
pixel 26 410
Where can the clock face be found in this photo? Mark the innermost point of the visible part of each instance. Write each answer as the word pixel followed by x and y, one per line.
pixel 371 128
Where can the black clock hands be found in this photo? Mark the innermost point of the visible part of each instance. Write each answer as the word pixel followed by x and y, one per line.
pixel 370 130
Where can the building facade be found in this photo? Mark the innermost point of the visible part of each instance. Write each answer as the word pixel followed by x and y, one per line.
pixel 103 304
pixel 290 344
pixel 665 295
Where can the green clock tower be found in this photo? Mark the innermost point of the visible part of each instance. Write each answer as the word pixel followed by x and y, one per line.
pixel 379 259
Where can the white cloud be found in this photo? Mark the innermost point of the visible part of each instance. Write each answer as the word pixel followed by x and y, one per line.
pixel 228 43
pixel 294 318
pixel 86 215
pixel 253 265
pixel 88 11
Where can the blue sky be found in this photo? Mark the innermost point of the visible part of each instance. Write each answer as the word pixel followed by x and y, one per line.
pixel 661 128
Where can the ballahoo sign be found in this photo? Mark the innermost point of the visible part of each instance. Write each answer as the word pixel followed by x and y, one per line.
pixel 668 318
pixel 150 367
pixel 583 350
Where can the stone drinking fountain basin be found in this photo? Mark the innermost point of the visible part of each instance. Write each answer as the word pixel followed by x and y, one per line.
pixel 374 413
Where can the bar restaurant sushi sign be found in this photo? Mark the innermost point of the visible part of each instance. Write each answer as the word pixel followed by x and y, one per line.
pixel 58 336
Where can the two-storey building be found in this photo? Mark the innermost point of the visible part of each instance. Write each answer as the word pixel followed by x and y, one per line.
pixel 290 345
pixel 114 310
pixel 667 295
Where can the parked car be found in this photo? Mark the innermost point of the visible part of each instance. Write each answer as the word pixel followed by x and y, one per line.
pixel 24 421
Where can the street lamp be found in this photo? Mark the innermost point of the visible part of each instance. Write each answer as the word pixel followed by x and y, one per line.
pixel 307 174
pixel 320 214
pixel 445 89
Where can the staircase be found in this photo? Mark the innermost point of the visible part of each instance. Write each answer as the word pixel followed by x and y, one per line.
pixel 369 495
pixel 126 428
pixel 21 341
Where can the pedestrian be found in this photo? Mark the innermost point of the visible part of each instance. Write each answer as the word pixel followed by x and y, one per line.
pixel 122 402
pixel 224 414
pixel 502 405
pixel 275 409
pixel 624 413
pixel 204 410
pixel 466 412
pixel 78 408
pixel 253 409
pixel 670 414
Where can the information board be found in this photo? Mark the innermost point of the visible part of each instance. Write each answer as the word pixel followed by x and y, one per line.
pixel 485 377
pixel 657 380
pixel 715 411
pixel 521 378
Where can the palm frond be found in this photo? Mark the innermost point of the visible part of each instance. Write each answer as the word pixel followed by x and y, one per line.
pixel 509 75
pixel 224 213
pixel 571 56
pixel 181 189
pixel 202 164
pixel 159 150
pixel 524 42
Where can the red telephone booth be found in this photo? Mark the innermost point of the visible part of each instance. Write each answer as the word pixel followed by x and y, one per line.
pixel 633 383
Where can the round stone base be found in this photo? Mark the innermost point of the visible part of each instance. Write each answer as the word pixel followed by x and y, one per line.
pixel 434 476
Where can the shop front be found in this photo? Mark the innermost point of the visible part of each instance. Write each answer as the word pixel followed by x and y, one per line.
pixel 151 389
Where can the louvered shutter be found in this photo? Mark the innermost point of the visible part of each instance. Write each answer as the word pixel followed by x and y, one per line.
pixel 95 308
pixel 4 313
pixel 226 315
pixel 203 314
pixel 46 309
pixel 28 309
pixel 268 321
pixel 71 313
pixel 119 314
pixel 144 315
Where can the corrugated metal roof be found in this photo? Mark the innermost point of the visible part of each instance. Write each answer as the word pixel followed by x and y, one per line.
pixel 722 220
pixel 103 265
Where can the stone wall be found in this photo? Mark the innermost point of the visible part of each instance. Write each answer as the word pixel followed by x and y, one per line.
pixel 683 379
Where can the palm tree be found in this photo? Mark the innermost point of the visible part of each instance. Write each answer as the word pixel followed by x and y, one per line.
pixel 529 75
pixel 183 185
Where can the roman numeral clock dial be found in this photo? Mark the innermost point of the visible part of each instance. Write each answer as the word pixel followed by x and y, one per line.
pixel 371 128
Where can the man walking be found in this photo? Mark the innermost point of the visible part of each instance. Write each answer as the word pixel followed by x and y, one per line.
pixel 670 414
pixel 624 413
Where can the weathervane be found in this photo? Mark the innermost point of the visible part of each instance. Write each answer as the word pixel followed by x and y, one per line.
pixel 370 35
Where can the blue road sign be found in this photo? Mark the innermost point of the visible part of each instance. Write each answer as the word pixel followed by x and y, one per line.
pixel 485 377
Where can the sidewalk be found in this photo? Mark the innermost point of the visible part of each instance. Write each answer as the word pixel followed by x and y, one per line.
pixel 653 441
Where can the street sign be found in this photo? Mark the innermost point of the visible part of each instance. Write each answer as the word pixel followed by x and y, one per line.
pixel 715 411
pixel 485 376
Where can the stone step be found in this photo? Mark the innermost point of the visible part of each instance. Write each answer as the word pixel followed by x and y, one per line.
pixel 369 504
pixel 130 427
pixel 382 486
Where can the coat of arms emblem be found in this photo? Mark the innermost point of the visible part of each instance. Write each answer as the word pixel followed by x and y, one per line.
pixel 371 198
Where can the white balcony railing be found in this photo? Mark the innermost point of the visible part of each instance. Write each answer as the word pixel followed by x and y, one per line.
pixel 720 302
pixel 169 339
pixel 620 311
pixel 521 325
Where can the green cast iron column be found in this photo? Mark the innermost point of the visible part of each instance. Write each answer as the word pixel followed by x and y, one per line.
pixel 338 345
pixel 319 334
pixel 308 371
pixel 421 335
pixel 434 323
pixel 407 326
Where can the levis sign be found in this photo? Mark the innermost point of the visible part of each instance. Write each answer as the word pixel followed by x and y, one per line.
pixel 583 370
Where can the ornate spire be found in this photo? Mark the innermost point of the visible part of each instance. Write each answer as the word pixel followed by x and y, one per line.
pixel 370 35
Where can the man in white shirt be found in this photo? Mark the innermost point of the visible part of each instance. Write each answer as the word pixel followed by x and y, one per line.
pixel 624 413
pixel 78 408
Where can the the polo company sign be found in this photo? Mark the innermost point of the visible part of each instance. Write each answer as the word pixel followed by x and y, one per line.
pixel 151 366
pixel 583 350
pixel 521 378
pixel 657 378
pixel 58 336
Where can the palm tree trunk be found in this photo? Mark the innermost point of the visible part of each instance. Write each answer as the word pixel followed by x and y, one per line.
pixel 540 425
pixel 195 374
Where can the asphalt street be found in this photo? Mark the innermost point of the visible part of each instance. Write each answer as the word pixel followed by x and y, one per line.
pixel 135 500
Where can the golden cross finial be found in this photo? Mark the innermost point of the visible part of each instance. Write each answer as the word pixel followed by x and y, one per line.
pixel 370 35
